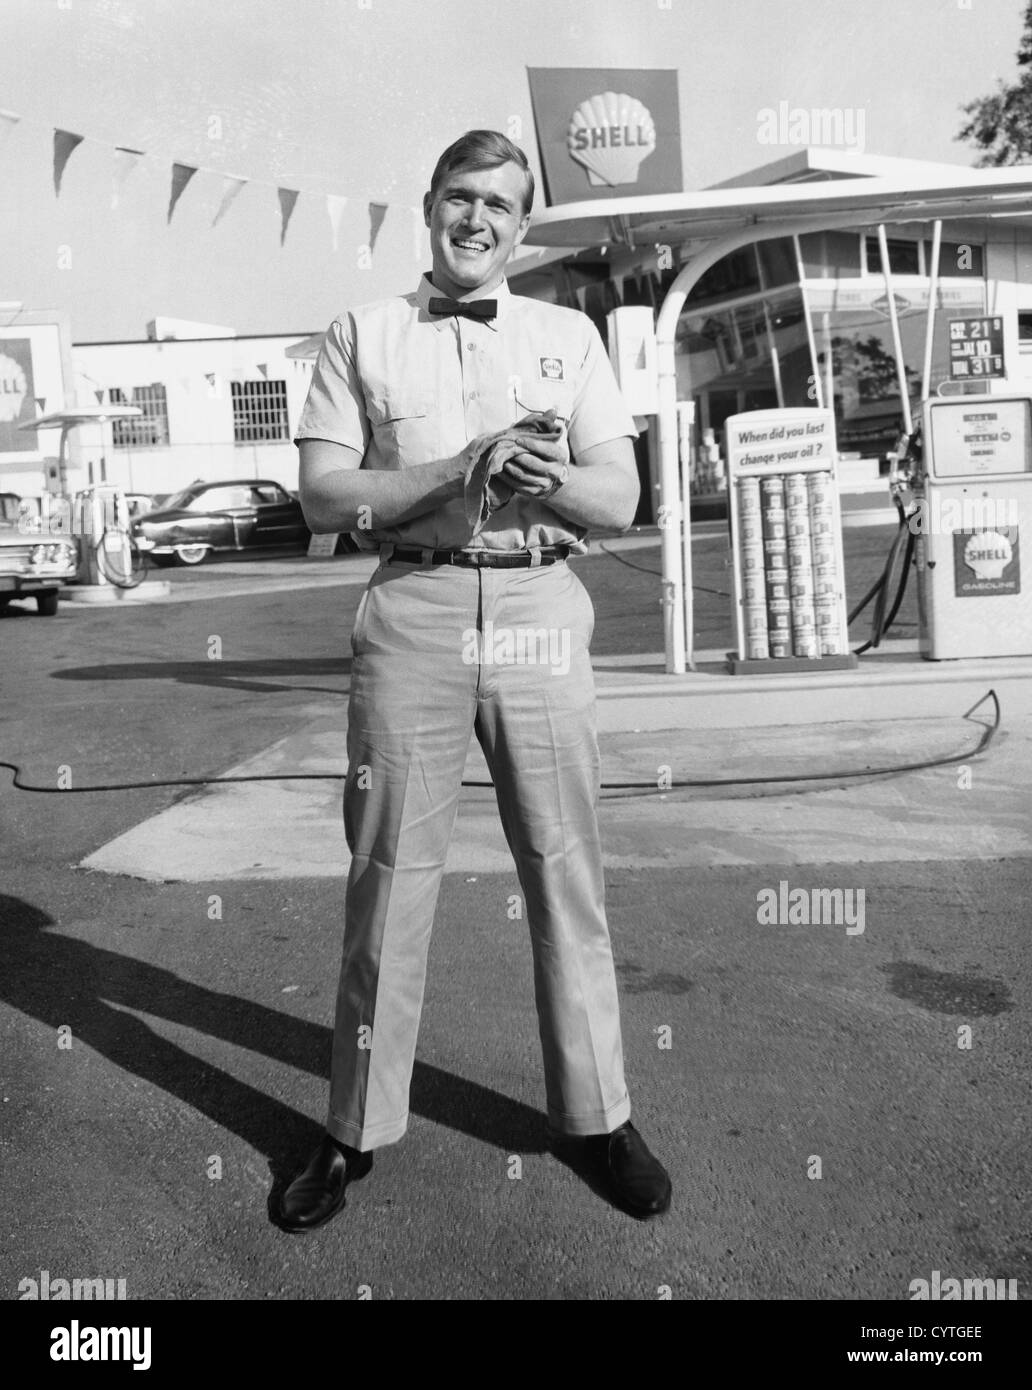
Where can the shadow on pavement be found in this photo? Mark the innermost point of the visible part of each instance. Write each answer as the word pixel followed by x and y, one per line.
pixel 61 981
pixel 257 676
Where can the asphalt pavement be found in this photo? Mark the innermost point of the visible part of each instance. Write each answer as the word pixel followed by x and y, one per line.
pixel 843 1103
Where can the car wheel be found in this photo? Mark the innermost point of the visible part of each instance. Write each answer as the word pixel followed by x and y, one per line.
pixel 191 554
pixel 46 604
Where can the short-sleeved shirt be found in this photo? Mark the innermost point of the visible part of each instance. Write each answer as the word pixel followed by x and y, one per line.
pixel 404 387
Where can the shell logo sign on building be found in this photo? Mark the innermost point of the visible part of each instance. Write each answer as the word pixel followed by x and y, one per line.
pixel 13 388
pixel 610 134
pixel 603 131
pixel 16 403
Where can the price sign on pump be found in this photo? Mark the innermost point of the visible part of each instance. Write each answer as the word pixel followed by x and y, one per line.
pixel 976 348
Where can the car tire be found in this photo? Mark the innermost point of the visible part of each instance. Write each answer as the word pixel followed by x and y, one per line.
pixel 46 604
pixel 191 554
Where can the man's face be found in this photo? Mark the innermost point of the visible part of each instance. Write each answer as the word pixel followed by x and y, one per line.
pixel 476 220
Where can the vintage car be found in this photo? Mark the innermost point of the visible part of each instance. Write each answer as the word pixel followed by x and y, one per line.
pixel 33 564
pixel 251 514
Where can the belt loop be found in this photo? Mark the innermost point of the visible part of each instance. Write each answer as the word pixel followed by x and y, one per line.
pixel 426 554
pixel 386 551
pixel 535 558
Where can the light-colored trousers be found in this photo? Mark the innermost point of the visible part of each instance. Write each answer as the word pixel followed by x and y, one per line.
pixel 431 666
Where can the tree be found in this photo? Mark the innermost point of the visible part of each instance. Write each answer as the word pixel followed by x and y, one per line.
pixel 1001 125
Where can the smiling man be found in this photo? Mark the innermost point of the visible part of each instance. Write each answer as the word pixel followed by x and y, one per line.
pixel 471 437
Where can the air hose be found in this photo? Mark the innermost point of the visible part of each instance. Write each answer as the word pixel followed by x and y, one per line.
pixel 987 735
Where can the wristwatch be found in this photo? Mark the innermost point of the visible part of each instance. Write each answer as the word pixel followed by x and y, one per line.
pixel 556 485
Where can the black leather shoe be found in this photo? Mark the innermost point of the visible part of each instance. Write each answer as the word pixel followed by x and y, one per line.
pixel 638 1180
pixel 317 1193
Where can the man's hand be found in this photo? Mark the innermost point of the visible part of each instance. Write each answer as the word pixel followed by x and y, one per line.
pixel 542 464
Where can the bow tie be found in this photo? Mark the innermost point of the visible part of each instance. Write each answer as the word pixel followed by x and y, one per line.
pixel 465 308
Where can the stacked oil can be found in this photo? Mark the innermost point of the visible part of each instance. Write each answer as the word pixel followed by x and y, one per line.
pixel 789 564
pixel 786 542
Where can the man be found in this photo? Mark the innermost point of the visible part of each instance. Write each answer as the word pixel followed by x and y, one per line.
pixel 430 431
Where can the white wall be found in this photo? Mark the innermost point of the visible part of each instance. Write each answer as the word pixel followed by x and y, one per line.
pixel 200 413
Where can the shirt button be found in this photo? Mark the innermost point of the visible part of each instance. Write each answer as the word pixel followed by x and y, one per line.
pixel 472 395
pixel 472 347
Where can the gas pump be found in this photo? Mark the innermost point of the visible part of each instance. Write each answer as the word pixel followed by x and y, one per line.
pixel 970 473
pixel 102 521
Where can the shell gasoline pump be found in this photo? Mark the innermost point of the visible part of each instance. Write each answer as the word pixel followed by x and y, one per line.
pixel 969 469
pixel 97 515
pixel 103 522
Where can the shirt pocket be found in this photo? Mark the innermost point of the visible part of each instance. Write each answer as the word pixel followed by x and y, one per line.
pixel 405 426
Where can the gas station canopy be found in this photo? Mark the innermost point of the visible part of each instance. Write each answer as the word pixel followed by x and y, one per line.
pixel 675 217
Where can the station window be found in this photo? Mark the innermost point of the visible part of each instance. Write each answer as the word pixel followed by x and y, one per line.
pixel 904 256
pixel 259 411
pixel 736 274
pixel 1025 330
pixel 146 431
pixel 830 255
pixel 777 262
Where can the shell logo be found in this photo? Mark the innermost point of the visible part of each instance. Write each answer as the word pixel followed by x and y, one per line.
pixel 13 387
pixel 610 134
pixel 988 553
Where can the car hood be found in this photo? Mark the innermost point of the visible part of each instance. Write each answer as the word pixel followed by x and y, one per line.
pixel 177 514
pixel 10 536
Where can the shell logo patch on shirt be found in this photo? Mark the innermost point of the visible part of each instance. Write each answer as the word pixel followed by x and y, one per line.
pixel 552 369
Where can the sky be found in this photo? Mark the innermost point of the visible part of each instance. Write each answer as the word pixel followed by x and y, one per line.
pixel 357 98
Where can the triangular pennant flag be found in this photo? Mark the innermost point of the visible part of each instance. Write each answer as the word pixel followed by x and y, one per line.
pixel 377 212
pixel 100 396
pixel 230 188
pixel 335 207
pixel 41 404
pixel 181 176
pixel 126 161
pixel 8 120
pixel 214 385
pixel 263 367
pixel 64 143
pixel 417 233
pixel 287 199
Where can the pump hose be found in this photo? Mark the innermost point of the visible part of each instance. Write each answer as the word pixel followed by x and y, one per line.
pixel 138 562
pixel 879 590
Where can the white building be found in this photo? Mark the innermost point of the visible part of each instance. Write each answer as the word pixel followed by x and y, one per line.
pixel 215 405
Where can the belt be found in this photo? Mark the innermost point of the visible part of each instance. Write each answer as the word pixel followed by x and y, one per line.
pixel 475 559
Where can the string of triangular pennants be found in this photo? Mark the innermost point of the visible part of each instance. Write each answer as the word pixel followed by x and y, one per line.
pixel 126 158
pixel 214 383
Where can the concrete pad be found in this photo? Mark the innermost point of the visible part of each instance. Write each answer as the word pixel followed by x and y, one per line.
pixel 294 829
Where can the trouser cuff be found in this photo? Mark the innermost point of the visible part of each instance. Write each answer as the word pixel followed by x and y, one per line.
pixel 366 1137
pixel 595 1122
